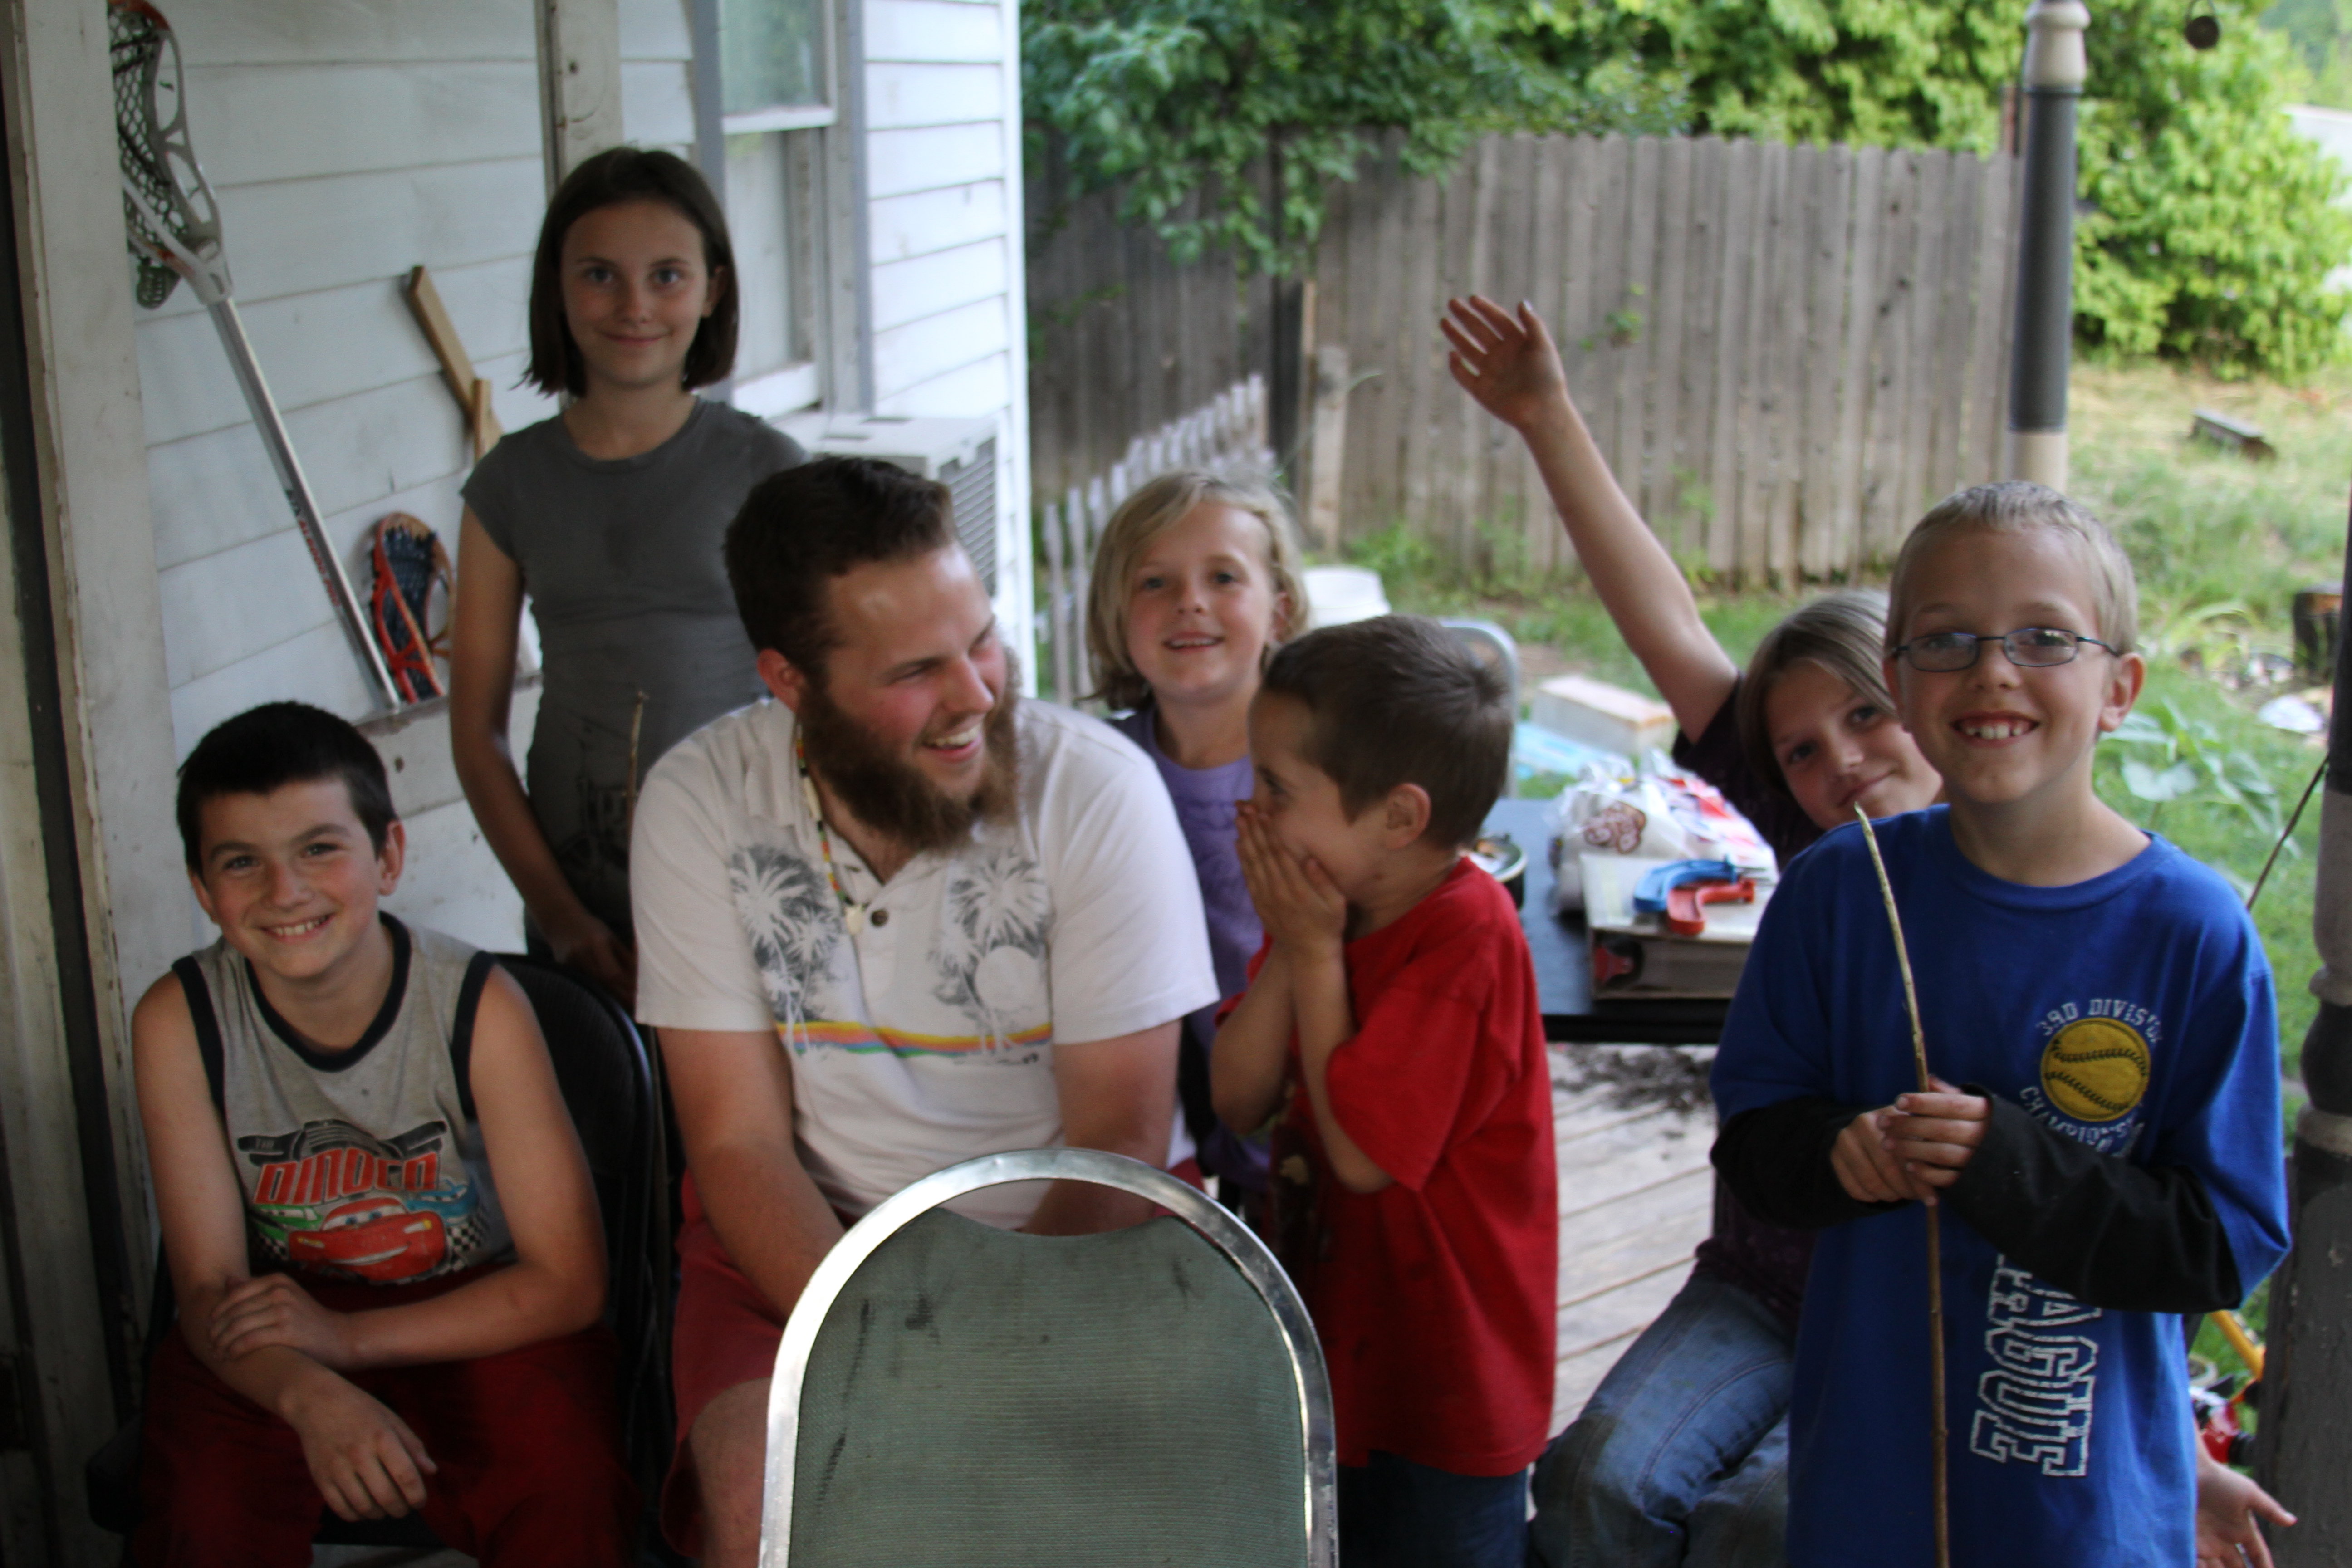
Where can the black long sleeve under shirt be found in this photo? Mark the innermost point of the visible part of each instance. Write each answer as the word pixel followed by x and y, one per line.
pixel 2107 1232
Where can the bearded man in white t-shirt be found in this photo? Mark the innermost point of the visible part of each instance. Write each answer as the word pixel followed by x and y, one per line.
pixel 893 920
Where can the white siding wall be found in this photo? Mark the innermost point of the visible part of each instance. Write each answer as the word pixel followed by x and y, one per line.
pixel 943 189
pixel 347 143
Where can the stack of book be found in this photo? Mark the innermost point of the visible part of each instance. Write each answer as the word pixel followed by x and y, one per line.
pixel 1635 952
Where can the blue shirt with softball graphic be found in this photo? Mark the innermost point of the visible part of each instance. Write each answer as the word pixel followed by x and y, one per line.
pixel 2133 1013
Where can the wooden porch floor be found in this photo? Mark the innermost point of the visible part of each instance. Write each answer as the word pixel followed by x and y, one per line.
pixel 1636 1197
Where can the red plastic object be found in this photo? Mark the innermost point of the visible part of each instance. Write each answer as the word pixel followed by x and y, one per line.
pixel 2217 1426
pixel 1683 915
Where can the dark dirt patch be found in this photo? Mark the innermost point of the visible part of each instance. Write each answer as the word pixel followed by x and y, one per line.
pixel 1632 1077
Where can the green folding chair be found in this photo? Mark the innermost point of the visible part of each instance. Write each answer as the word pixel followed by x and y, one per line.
pixel 953 1395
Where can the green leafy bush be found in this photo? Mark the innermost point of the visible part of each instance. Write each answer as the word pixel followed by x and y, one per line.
pixel 2320 32
pixel 1225 120
pixel 1862 72
pixel 2207 230
pixel 2188 759
pixel 2210 229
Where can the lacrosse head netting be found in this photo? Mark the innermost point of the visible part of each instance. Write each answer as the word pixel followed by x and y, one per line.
pixel 174 222
pixel 409 560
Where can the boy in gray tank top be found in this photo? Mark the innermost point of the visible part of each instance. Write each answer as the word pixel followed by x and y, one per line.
pixel 371 1320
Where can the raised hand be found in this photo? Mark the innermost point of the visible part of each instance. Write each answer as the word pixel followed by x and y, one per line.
pixel 1506 361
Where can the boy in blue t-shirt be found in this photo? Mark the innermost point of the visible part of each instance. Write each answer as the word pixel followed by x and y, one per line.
pixel 2113 1159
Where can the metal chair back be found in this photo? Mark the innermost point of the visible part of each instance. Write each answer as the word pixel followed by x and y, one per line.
pixel 948 1393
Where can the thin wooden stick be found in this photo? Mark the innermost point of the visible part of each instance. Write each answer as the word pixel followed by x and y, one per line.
pixel 629 808
pixel 1937 1433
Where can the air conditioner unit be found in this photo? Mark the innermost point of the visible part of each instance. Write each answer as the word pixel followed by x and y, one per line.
pixel 959 453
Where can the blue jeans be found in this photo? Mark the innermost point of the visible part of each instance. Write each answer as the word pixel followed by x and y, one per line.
pixel 1681 1457
pixel 1394 1513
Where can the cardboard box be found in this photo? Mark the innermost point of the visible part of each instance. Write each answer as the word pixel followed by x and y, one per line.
pixel 1602 715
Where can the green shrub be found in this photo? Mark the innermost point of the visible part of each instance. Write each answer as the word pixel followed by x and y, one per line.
pixel 2206 233
pixel 1222 123
pixel 2210 229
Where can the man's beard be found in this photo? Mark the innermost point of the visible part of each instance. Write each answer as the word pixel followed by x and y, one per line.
pixel 893 795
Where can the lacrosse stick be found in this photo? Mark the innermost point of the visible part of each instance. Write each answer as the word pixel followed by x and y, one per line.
pixel 174 233
pixel 1935 1231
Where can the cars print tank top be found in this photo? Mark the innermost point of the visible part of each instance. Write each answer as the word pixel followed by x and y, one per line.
pixel 359 1164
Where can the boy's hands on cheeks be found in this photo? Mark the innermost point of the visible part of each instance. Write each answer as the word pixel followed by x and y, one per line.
pixel 364 1459
pixel 275 1310
pixel 1302 910
pixel 1904 1152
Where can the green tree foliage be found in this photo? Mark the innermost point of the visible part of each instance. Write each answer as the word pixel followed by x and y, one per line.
pixel 1897 73
pixel 2210 227
pixel 2206 231
pixel 1223 120
pixel 2320 32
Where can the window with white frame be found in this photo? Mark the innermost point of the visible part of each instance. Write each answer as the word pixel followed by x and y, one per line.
pixel 776 98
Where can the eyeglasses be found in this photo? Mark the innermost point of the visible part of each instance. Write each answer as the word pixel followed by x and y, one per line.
pixel 2029 647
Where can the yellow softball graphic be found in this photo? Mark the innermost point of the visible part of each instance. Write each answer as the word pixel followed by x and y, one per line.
pixel 2094 1070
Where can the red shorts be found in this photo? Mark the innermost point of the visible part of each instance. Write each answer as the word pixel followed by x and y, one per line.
pixel 527 1442
pixel 725 1334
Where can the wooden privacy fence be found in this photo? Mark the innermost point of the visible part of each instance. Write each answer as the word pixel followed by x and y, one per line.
pixel 1226 436
pixel 1122 339
pixel 1786 352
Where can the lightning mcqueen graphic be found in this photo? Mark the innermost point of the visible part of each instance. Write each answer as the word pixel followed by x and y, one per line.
pixel 377 1238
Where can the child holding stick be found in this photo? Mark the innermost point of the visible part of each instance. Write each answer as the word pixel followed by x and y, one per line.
pixel 1681 1455
pixel 1681 1452
pixel 2113 1159
pixel 1393 1013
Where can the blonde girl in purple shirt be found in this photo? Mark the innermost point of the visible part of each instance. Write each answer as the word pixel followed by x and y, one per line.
pixel 1195 583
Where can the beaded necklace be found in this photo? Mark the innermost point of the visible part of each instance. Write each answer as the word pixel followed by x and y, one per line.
pixel 853 913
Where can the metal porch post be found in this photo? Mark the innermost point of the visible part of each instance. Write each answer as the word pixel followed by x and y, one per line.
pixel 2304 1451
pixel 2054 71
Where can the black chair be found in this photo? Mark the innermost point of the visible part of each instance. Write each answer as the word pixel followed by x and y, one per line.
pixel 610 1086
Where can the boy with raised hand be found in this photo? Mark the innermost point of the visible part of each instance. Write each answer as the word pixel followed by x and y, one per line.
pixel 1392 1012
pixel 379 1223
pixel 2112 1159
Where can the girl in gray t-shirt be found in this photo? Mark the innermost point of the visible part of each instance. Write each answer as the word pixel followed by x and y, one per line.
pixel 610 516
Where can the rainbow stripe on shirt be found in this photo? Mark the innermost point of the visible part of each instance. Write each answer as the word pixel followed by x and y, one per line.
pixel 865 1040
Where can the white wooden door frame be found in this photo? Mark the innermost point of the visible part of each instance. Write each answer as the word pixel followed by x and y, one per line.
pixel 113 722
pixel 579 81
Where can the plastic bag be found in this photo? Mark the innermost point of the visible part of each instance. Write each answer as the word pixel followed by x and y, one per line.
pixel 1659 813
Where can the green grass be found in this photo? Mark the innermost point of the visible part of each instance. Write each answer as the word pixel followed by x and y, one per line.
pixel 2221 544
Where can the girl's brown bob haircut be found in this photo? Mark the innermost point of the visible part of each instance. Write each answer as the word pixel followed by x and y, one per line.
pixel 1846 634
pixel 1143 517
pixel 612 177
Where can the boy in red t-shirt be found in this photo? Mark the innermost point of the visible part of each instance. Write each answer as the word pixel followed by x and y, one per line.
pixel 1396 1004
